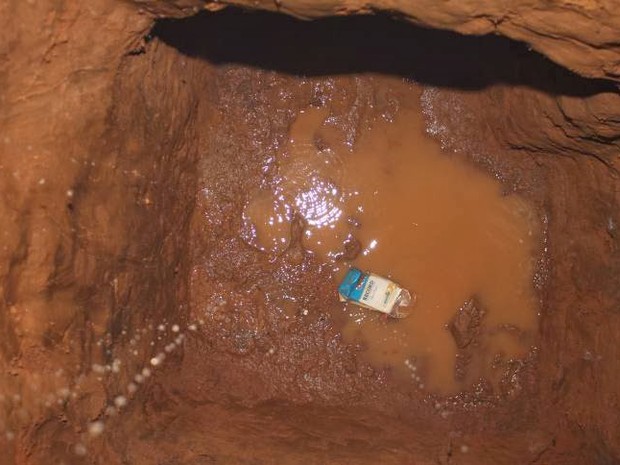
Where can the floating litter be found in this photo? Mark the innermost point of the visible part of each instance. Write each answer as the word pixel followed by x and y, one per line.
pixel 374 292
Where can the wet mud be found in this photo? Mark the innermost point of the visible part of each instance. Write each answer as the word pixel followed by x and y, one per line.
pixel 393 203
pixel 239 180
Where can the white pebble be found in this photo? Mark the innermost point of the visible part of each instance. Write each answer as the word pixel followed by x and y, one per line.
pixel 146 372
pixel 110 411
pixel 96 428
pixel 175 328
pixel 120 401
pixel 79 449
pixel 170 347
pixel 138 378
pixel 116 365
pixel 192 327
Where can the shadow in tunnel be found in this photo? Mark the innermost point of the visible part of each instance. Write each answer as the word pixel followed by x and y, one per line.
pixel 377 44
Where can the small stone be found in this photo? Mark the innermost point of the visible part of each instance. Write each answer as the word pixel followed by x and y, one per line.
pixel 80 450
pixel 169 348
pixel 116 366
pixel 96 428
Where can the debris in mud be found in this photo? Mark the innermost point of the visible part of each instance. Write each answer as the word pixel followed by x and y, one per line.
pixel 465 325
pixel 374 292
pixel 295 251
pixel 351 249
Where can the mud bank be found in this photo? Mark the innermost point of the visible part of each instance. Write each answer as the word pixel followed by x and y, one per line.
pixel 136 324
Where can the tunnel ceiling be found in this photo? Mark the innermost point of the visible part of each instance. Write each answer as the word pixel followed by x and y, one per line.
pixel 582 35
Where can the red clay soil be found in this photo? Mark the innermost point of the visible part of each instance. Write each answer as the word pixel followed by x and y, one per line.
pixel 125 166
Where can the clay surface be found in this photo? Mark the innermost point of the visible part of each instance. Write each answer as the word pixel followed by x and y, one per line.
pixel 112 251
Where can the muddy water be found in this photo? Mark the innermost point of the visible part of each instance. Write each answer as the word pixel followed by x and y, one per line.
pixel 394 204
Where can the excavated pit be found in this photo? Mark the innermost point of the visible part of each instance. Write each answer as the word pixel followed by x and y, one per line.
pixel 154 314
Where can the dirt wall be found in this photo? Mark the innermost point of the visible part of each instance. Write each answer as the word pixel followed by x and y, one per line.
pixel 102 130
